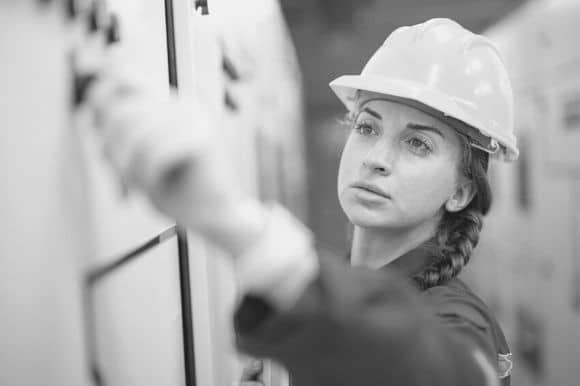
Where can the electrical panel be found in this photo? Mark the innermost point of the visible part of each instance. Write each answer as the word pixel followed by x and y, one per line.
pixel 98 288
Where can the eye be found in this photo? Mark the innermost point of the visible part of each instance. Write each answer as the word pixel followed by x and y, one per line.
pixel 419 146
pixel 364 128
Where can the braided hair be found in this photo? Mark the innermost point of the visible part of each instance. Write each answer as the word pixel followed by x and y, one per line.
pixel 458 232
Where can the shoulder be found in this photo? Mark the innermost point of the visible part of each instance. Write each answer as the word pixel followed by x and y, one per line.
pixel 455 298
pixel 461 309
pixel 457 305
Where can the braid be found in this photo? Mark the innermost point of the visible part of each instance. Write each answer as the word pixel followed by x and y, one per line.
pixel 458 232
pixel 456 238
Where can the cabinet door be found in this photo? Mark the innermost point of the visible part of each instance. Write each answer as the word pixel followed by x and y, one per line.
pixel 137 321
pixel 134 309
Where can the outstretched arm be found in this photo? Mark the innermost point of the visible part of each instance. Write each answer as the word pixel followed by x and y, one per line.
pixel 328 323
pixel 354 326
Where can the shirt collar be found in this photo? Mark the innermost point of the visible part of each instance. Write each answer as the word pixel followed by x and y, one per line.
pixel 415 261
pixel 412 262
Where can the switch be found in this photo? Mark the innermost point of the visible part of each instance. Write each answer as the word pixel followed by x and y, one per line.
pixel 230 102
pixel 112 34
pixel 71 8
pixel 94 16
pixel 96 375
pixel 230 69
pixel 81 83
pixel 203 5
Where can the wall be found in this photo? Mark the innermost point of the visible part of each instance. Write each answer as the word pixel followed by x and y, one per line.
pixel 527 265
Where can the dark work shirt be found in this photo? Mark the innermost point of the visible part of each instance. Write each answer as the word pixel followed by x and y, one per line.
pixel 355 326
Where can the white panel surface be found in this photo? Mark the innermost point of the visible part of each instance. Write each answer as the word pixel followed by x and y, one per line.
pixel 43 208
pixel 138 321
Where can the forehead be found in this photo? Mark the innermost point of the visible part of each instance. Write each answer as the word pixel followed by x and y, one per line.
pixel 389 110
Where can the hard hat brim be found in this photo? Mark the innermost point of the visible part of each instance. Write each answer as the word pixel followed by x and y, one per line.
pixel 429 100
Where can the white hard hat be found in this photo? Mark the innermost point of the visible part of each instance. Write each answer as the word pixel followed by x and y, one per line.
pixel 440 67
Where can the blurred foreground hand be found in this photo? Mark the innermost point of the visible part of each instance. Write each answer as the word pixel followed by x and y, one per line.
pixel 170 148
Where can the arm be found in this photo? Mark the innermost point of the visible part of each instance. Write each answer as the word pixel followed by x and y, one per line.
pixel 328 323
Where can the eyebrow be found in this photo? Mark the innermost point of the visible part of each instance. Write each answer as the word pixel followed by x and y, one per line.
pixel 417 126
pixel 373 113
pixel 414 126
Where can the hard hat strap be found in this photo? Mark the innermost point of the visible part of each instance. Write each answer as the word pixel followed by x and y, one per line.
pixel 492 149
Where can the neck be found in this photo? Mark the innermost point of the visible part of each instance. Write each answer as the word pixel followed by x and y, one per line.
pixel 376 247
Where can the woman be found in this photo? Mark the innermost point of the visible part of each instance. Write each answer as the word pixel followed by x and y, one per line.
pixel 429 109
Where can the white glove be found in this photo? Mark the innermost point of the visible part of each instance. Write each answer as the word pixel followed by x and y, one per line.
pixel 169 148
pixel 146 132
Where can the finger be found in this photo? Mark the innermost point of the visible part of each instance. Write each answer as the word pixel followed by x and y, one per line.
pixel 124 128
pixel 253 370
pixel 109 88
pixel 103 91
pixel 163 143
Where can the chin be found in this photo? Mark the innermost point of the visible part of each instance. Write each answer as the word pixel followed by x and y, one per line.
pixel 363 215
pixel 369 218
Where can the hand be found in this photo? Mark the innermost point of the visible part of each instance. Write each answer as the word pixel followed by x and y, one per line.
pixel 170 149
pixel 252 374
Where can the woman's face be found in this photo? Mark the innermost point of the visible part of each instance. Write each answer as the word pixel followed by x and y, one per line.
pixel 399 166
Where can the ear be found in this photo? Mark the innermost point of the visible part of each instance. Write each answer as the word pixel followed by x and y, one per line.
pixel 462 196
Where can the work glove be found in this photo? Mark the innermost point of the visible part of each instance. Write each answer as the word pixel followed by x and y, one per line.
pixel 169 148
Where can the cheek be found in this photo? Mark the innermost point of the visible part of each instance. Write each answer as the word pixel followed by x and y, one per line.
pixel 426 186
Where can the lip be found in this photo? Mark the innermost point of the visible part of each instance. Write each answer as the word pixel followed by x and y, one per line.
pixel 371 188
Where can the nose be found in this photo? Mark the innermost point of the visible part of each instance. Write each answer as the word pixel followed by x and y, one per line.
pixel 380 159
